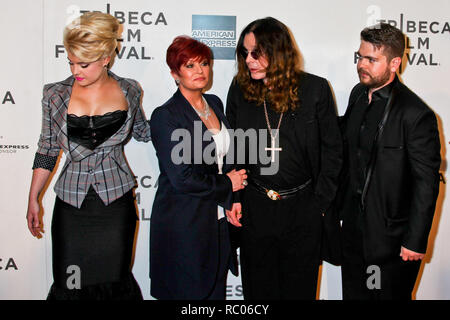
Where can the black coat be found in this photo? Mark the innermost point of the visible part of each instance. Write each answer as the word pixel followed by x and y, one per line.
pixel 184 247
pixel 403 187
pixel 317 114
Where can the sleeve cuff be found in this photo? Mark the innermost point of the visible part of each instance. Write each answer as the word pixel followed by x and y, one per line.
pixel 45 162
pixel 225 191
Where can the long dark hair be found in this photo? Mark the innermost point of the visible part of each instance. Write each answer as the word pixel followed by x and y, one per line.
pixel 274 40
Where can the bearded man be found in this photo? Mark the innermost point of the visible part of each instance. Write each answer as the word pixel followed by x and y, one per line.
pixel 391 175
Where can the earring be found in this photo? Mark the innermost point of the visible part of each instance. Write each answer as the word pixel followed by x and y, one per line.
pixel 177 81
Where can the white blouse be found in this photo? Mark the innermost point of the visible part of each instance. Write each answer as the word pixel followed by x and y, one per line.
pixel 222 141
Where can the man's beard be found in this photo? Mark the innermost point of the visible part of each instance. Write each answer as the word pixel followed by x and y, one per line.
pixel 374 82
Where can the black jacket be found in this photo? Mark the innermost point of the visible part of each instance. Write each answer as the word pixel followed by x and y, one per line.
pixel 317 114
pixel 401 192
pixel 184 236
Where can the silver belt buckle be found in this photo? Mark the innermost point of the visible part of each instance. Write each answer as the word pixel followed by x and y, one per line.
pixel 273 195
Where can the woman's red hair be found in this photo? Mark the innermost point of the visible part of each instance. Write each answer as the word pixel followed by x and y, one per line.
pixel 184 48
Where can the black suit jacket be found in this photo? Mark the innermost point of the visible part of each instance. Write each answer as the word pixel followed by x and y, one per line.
pixel 317 114
pixel 184 248
pixel 404 184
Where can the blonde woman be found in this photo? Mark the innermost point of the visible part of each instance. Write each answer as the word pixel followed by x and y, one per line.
pixel 90 116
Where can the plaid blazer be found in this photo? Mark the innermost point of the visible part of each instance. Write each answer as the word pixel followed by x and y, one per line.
pixel 104 168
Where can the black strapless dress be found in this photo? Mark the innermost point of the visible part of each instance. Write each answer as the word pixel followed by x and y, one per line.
pixel 93 246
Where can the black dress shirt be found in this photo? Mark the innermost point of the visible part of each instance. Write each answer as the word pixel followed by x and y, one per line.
pixel 361 130
pixel 292 167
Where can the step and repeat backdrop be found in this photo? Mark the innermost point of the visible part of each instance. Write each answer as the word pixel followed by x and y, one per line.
pixel 327 34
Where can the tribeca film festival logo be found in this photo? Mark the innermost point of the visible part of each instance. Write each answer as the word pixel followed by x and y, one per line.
pixel 420 34
pixel 132 20
pixel 217 32
pixel 8 264
pixel 146 182
pixel 7 98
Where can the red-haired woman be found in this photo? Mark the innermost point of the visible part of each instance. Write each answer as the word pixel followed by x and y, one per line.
pixel 190 252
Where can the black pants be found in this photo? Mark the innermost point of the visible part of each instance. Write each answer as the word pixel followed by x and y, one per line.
pixel 219 290
pixel 280 250
pixel 393 279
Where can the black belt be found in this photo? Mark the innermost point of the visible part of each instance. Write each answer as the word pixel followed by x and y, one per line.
pixel 277 195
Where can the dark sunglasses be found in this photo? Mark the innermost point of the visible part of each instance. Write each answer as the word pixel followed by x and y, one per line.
pixel 255 54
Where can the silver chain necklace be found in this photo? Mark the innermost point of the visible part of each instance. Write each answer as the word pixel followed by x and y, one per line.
pixel 206 113
pixel 272 144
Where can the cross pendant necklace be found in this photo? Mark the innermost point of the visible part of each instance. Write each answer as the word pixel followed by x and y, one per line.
pixel 272 148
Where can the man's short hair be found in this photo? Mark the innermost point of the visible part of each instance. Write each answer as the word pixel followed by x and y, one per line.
pixel 386 36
